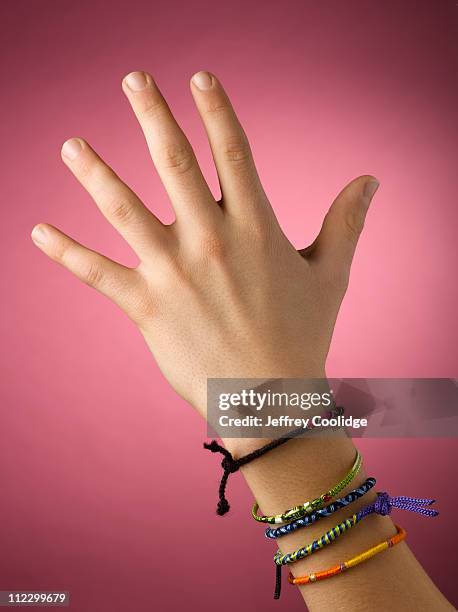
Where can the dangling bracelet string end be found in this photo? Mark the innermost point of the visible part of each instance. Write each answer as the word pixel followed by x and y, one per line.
pixel 384 503
pixel 277 582
pixel 229 465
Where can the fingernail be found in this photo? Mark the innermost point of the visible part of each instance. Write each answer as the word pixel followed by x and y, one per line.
pixel 202 80
pixel 39 235
pixel 136 81
pixel 370 188
pixel 71 148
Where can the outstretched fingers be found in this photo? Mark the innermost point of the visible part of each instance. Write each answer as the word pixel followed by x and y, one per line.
pixel 170 150
pixel 240 184
pixel 117 202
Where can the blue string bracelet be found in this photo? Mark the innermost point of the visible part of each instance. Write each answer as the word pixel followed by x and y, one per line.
pixel 310 519
pixel 383 506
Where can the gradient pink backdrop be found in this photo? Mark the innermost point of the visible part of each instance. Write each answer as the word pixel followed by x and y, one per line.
pixel 326 90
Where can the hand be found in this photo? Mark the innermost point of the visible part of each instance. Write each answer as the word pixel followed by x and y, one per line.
pixel 221 292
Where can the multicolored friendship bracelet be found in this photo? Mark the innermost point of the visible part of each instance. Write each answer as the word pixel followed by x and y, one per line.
pixel 310 506
pixel 383 505
pixel 310 519
pixel 353 562
pixel 231 465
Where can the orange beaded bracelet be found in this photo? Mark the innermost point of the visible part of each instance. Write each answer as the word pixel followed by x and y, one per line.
pixel 364 556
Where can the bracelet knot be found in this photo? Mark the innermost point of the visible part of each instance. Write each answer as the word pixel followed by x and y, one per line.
pixel 229 464
pixel 382 504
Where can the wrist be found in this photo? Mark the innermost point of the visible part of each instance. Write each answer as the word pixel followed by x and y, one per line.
pixel 298 386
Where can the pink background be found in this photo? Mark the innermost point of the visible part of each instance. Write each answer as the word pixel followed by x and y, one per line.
pixel 89 476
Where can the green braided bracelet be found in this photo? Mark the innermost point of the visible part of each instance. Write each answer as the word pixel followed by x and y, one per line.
pixel 310 506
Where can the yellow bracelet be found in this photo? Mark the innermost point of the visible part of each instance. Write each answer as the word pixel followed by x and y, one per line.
pixel 353 562
pixel 310 506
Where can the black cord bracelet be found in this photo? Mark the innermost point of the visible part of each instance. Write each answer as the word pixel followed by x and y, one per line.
pixel 231 465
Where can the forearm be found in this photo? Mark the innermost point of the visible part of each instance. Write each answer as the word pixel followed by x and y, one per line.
pixel 303 469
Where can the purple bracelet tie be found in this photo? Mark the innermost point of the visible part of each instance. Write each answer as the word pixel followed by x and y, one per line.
pixel 384 503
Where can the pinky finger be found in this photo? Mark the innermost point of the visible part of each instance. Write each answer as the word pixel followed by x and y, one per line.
pixel 110 278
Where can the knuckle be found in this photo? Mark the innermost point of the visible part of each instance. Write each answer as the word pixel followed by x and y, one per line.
pixel 212 247
pixel 207 245
pixel 143 305
pixel 60 252
pixel 237 150
pixel 120 211
pixel 177 158
pixel 94 172
pixel 354 224
pixel 217 106
pixel 152 107
pixel 261 232
pixel 264 231
pixel 92 275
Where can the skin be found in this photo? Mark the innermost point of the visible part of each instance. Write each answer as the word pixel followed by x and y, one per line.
pixel 224 278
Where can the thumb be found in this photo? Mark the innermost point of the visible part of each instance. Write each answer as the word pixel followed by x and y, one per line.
pixel 336 243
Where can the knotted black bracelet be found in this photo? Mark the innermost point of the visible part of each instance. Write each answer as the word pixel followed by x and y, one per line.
pixel 231 465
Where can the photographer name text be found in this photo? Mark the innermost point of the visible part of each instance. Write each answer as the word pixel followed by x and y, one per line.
pixel 286 421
